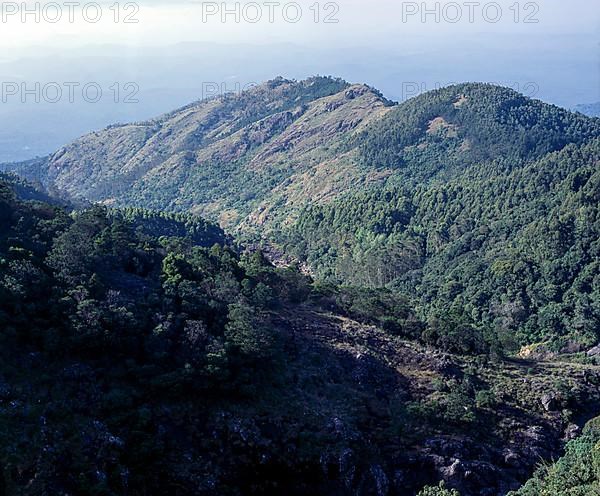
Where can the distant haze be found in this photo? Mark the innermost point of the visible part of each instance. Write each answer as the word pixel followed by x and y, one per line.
pixel 172 56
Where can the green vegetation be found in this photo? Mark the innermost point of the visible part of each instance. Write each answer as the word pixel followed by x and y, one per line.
pixel 575 474
pixel 444 131
pixel 473 205
pixel 512 253
pixel 144 353
pixel 438 491
pixel 168 364
pixel 164 316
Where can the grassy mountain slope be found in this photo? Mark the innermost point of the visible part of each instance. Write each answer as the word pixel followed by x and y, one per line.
pixel 223 157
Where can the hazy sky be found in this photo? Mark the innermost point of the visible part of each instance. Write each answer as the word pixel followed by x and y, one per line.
pixel 549 49
pixel 344 21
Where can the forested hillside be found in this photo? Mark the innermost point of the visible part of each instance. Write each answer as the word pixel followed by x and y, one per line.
pixel 143 355
pixel 513 251
pixel 109 321
pixel 442 132
pixel 383 297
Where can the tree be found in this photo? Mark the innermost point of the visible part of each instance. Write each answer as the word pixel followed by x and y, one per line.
pixel 246 333
pixel 439 490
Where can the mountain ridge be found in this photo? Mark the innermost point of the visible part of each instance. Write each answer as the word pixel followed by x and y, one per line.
pixel 127 154
pixel 589 109
pixel 252 160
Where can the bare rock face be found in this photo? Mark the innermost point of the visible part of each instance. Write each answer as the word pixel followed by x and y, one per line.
pixel 550 402
pixel 571 432
pixel 594 352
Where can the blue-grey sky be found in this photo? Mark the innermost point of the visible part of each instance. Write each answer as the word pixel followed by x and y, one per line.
pixel 173 51
pixel 341 21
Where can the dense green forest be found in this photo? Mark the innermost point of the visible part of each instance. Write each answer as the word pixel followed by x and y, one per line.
pixel 444 131
pixel 514 252
pixel 107 316
pixel 143 354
